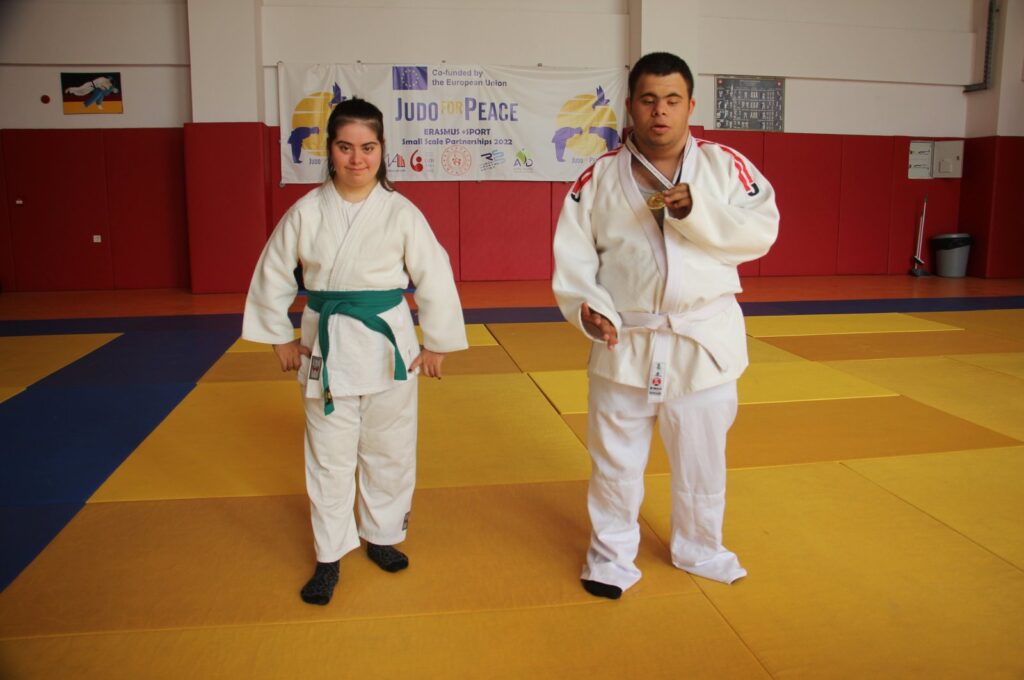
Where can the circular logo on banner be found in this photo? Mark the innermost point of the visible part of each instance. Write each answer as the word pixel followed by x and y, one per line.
pixel 456 160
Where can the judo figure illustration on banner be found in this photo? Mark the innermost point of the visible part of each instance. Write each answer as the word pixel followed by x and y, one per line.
pixel 587 128
pixel 308 119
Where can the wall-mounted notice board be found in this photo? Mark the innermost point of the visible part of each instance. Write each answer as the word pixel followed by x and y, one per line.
pixel 750 103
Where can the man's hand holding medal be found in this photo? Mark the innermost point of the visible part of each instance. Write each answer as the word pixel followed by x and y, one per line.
pixel 677 200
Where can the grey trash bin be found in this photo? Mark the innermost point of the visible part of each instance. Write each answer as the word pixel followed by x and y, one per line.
pixel 951 251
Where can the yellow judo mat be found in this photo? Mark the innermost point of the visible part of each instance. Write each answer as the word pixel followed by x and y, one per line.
pixel 841 324
pixel 874 497
pixel 26 359
pixel 1002 323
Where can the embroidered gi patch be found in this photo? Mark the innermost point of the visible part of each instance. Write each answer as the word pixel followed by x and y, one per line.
pixel 405 522
pixel 314 367
pixel 657 383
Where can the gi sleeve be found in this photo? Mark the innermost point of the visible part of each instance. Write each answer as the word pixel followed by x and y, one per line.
pixel 437 299
pixel 273 286
pixel 577 261
pixel 738 224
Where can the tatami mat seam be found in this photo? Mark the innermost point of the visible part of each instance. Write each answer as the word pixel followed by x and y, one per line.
pixel 955 357
pixel 924 512
pixel 543 393
pixel 504 348
pixel 419 488
pixel 176 499
pixel 593 602
pixel 710 601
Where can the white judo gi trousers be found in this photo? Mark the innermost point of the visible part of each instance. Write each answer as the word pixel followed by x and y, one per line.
pixel 693 427
pixel 371 438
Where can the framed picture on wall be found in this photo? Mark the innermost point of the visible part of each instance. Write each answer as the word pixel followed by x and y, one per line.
pixel 98 92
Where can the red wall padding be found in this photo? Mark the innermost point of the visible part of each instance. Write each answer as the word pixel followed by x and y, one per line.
pixel 847 208
pixel 751 145
pixel 60 178
pixel 7 282
pixel 908 199
pixel 864 205
pixel 506 231
pixel 146 195
pixel 805 172
pixel 1007 251
pixel 439 203
pixel 977 192
pixel 227 208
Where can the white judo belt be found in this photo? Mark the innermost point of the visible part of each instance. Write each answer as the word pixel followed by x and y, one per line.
pixel 686 324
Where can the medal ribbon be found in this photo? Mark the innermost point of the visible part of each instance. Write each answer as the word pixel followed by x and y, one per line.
pixel 665 181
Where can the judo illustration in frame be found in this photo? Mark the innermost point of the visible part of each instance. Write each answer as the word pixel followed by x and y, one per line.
pixel 98 92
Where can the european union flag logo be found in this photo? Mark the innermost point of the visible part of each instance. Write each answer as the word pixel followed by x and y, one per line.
pixel 408 77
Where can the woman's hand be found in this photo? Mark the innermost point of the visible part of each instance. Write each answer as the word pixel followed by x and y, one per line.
pixel 290 355
pixel 429 363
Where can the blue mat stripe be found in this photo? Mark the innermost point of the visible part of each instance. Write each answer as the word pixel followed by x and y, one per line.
pixel 232 323
pixel 25 531
pixel 904 305
pixel 62 443
pixel 145 358
pixel 67 433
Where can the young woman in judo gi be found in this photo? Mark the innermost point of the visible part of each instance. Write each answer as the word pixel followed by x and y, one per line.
pixel 360 244
pixel 646 251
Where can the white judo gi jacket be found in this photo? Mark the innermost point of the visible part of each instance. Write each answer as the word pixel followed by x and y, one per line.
pixel 671 296
pixel 388 243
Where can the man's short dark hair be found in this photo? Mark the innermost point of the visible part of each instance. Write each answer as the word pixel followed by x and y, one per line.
pixel 660 64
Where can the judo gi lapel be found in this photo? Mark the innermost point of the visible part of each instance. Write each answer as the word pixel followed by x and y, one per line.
pixel 366 218
pixel 328 239
pixel 643 214
pixel 673 240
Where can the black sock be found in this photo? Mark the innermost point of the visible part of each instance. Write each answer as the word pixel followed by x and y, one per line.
pixel 320 587
pixel 387 557
pixel 602 589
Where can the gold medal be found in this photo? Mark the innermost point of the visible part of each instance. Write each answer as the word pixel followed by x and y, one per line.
pixel 656 201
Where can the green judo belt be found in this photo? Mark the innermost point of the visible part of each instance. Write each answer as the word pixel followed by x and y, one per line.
pixel 363 305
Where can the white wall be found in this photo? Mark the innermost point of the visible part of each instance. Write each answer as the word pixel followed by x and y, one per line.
pixel 154 96
pixel 880 67
pixel 875 67
pixel 857 108
pixel 1011 94
pixel 93 32
pixel 1000 109
pixel 225 47
pixel 146 40
pixel 868 67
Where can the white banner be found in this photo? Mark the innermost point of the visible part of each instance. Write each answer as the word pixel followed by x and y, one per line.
pixel 446 122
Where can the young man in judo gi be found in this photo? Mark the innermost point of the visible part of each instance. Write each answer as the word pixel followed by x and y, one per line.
pixel 646 250
pixel 360 244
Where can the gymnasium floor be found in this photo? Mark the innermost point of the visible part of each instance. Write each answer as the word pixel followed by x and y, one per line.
pixel 155 524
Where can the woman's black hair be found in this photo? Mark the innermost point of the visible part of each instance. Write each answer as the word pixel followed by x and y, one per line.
pixel 357 110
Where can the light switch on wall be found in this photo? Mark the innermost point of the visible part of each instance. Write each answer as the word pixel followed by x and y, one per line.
pixel 96 238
